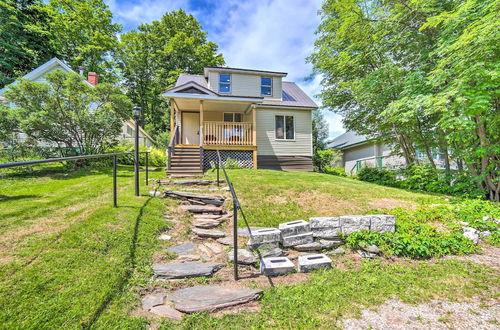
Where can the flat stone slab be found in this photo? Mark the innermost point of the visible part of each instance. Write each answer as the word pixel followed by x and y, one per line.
pixel 202 209
pixel 165 237
pixel 186 248
pixel 311 262
pixel 206 223
pixel 245 257
pixel 314 246
pixel 207 216
pixel 208 233
pixel 166 311
pixel 329 243
pixel 185 269
pixel 228 240
pixel 276 252
pixel 211 298
pixel 294 228
pixel 151 300
pixel 298 239
pixel 274 266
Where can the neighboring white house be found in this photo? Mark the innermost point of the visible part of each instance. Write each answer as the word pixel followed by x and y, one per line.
pixel 252 116
pixel 38 75
pixel 359 151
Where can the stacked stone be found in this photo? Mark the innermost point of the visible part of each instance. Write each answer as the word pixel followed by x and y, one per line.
pixel 265 238
pixel 327 230
pixel 295 233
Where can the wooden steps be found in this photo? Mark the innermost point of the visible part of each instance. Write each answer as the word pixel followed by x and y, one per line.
pixel 185 161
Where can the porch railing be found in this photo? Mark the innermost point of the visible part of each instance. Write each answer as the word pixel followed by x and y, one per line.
pixel 225 133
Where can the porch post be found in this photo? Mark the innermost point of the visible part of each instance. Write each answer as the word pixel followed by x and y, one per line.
pixel 172 114
pixel 254 135
pixel 201 122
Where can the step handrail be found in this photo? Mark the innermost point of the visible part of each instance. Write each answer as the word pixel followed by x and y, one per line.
pixel 174 140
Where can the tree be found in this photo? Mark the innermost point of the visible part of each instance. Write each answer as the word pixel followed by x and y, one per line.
pixel 68 113
pixel 153 57
pixel 319 130
pixel 24 41
pixel 82 33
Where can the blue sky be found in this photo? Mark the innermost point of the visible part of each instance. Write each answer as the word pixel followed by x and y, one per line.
pixel 261 34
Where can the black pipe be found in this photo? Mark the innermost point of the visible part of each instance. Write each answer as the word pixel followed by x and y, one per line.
pixel 115 203
pixel 147 168
pixel 235 238
pixel 136 157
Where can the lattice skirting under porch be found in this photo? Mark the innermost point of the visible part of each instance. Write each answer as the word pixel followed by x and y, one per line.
pixel 231 158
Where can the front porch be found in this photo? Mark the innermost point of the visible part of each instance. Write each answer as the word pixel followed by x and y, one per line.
pixel 209 126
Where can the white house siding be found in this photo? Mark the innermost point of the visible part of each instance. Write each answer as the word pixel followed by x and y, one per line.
pixel 245 84
pixel 268 145
pixel 367 154
pixel 219 116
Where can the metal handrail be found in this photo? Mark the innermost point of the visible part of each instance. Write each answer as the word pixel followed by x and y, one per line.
pixel 174 140
pixel 236 207
pixel 73 158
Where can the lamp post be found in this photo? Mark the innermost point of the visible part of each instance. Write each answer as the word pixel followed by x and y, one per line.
pixel 136 112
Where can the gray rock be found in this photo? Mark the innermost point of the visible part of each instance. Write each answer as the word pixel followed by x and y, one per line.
pixel 463 223
pixel 206 223
pixel 151 300
pixel 167 311
pixel 274 266
pixel 314 246
pixel 186 248
pixel 311 262
pixel 211 298
pixel 188 258
pixel 156 193
pixel 276 252
pixel 329 243
pixel 336 252
pixel 472 234
pixel 165 237
pixel 229 240
pixel 485 233
pixel 325 227
pixel 245 257
pixel 353 223
pixel 208 233
pixel 185 269
pixel 298 239
pixel 263 246
pixel 382 223
pixel 293 228
pixel 366 254
pixel 371 249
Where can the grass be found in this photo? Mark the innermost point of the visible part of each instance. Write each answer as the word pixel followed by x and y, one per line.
pixel 69 259
pixel 270 197
pixel 66 254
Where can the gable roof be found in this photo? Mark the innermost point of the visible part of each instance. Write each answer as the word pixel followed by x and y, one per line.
pixel 42 70
pixel 348 139
pixel 236 70
pixel 292 94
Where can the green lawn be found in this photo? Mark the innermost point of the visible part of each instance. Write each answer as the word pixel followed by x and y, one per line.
pixel 69 259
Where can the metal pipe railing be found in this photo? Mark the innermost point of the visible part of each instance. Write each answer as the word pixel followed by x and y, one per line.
pixel 74 158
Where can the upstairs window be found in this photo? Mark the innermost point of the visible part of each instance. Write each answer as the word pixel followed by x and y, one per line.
pixel 233 117
pixel 266 86
pixel 284 128
pixel 224 83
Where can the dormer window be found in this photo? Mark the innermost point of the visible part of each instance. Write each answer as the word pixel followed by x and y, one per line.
pixel 266 86
pixel 224 83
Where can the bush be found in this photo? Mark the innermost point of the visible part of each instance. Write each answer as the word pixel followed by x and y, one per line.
pixel 414 240
pixel 322 159
pixel 157 157
pixel 340 171
pixel 375 175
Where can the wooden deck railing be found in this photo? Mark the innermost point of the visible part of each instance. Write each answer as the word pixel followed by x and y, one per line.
pixel 225 133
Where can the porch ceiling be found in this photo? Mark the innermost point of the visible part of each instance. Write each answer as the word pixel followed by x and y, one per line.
pixel 208 105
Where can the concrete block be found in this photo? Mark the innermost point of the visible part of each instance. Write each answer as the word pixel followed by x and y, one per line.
pixel 352 223
pixel 314 246
pixel 274 266
pixel 311 262
pixel 294 228
pixel 268 238
pixel 325 227
pixel 329 243
pixel 382 223
pixel 298 239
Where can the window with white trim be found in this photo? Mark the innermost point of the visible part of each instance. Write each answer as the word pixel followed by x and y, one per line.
pixel 233 117
pixel 266 86
pixel 284 128
pixel 224 83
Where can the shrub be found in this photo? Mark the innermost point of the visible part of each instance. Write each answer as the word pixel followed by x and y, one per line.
pixel 157 157
pixel 324 158
pixel 340 171
pixel 375 175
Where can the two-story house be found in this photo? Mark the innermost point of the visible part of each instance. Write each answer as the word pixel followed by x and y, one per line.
pixel 250 116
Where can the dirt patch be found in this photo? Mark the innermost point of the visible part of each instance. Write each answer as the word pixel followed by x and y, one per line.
pixel 324 203
pixel 390 203
pixel 489 257
pixel 436 314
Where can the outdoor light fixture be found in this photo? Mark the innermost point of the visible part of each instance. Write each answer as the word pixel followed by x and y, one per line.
pixel 136 112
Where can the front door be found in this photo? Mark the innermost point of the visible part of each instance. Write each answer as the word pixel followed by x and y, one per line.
pixel 191 128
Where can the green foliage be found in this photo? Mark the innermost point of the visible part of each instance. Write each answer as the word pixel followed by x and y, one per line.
pixel 319 130
pixel 421 74
pixel 156 158
pixel 67 112
pixel 24 41
pixel 414 240
pixel 322 159
pixel 375 175
pixel 340 171
pixel 152 58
